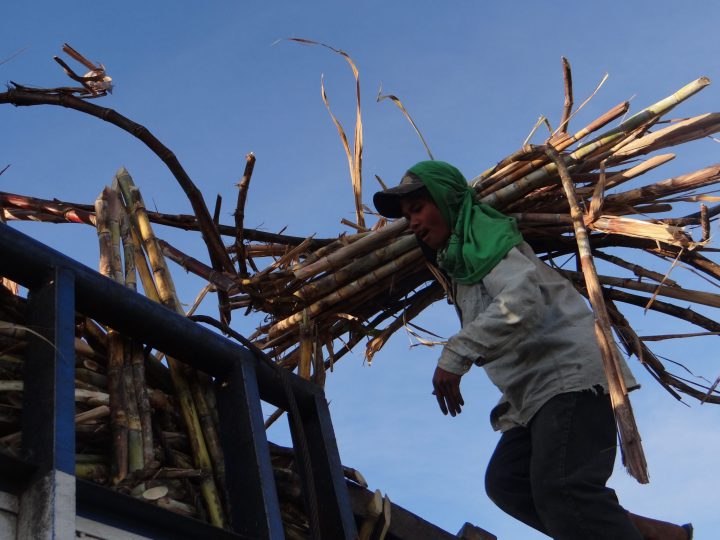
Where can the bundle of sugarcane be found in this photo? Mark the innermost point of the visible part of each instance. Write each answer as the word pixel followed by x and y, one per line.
pixel 325 296
pixel 350 287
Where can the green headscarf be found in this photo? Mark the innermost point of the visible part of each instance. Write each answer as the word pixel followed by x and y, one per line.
pixel 481 236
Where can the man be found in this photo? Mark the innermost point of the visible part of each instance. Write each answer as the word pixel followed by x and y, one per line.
pixel 534 336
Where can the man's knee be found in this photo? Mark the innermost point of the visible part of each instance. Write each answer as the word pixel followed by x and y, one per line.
pixel 501 488
pixel 551 497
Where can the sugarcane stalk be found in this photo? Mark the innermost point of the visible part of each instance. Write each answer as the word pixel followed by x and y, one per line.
pixel 240 213
pixel 103 232
pixel 567 105
pixel 416 305
pixel 115 382
pixel 114 216
pixel 694 180
pixel 180 374
pixel 326 249
pixel 161 274
pixel 266 250
pixel 177 506
pixel 318 365
pixel 636 228
pixel 95 472
pixel 135 441
pixel 536 217
pixel 705 222
pixel 697 297
pixel 633 454
pixel 543 175
pixel 519 169
pixel 356 268
pixel 284 260
pixel 634 345
pixel 190 264
pixel 651 362
pixel 683 131
pixel 387 309
pixel 636 269
pixel 339 257
pixel 134 430
pixel 28 208
pixel 198 388
pixel 660 108
pixel 128 250
pixel 57 209
pixel 97 413
pixel 81 395
pixel 143 268
pixel 306 347
pixel 346 291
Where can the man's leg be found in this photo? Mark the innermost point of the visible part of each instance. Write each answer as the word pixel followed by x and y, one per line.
pixel 507 479
pixel 573 452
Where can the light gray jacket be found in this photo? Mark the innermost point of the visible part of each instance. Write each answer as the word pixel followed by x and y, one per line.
pixel 532 332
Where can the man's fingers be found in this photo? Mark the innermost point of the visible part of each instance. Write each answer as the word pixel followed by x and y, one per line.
pixel 441 402
pixel 453 406
pixel 451 391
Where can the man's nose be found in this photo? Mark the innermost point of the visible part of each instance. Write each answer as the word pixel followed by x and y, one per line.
pixel 414 223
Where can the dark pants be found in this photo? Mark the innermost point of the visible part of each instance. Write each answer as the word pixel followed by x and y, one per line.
pixel 551 474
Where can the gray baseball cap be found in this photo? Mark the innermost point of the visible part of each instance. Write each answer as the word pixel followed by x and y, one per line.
pixel 387 202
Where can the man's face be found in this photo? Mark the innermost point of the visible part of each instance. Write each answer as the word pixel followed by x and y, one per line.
pixel 426 221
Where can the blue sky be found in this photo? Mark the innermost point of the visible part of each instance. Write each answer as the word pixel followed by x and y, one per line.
pixel 210 81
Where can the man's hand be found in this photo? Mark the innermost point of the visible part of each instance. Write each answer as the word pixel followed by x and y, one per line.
pixel 447 391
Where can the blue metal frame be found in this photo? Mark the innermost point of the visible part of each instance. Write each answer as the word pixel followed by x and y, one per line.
pixel 60 286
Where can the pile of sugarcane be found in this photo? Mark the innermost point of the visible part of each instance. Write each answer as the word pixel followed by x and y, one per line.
pixel 325 296
pixel 144 427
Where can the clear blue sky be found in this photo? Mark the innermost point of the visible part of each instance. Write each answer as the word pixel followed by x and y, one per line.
pixel 208 81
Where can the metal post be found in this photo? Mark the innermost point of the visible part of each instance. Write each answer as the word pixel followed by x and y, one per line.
pixel 47 506
pixel 333 500
pixel 255 509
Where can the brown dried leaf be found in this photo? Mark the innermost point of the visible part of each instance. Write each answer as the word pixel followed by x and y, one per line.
pixel 397 102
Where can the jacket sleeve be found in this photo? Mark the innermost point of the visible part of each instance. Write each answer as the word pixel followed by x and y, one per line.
pixel 515 307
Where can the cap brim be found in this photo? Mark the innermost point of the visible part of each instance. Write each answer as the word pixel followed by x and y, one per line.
pixel 388 201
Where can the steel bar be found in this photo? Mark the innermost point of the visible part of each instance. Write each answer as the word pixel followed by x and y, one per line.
pixel 254 506
pixel 25 260
pixel 47 506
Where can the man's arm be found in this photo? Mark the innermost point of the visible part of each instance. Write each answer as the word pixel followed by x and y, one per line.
pixel 516 302
pixel 514 287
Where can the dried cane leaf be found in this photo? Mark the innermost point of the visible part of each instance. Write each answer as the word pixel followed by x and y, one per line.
pixel 354 158
pixel 400 105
